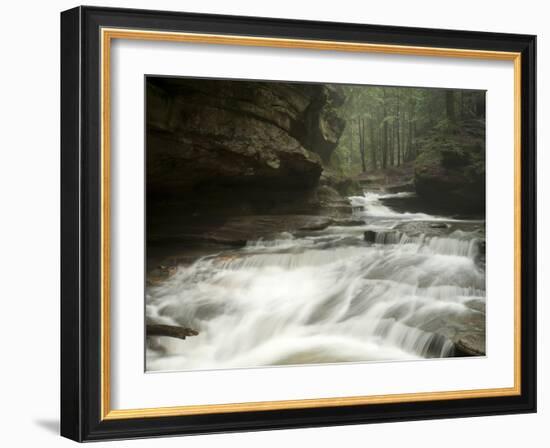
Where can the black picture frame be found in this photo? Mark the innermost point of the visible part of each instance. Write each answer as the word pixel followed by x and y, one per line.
pixel 81 381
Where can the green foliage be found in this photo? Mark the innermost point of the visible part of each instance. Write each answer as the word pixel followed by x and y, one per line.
pixel 402 124
pixel 453 147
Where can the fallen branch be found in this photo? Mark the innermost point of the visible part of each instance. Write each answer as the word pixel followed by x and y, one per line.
pixel 171 331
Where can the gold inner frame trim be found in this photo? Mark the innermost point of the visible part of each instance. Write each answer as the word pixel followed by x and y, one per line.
pixel 107 35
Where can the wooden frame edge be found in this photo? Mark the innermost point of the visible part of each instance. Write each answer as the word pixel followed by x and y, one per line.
pixel 107 34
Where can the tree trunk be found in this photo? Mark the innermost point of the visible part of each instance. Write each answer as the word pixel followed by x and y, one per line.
pixel 350 127
pixel 410 142
pixel 480 105
pixel 361 125
pixel 385 134
pixel 373 146
pixel 398 128
pixel 391 144
pixel 404 137
pixel 450 105
pixel 414 151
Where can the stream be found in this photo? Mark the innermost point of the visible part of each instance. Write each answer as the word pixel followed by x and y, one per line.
pixel 412 290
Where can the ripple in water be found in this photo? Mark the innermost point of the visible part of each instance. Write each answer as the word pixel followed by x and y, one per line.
pixel 324 298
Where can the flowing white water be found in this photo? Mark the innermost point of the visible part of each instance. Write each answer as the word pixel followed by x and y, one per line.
pixel 326 297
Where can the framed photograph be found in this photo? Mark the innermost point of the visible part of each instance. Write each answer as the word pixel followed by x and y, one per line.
pixel 277 224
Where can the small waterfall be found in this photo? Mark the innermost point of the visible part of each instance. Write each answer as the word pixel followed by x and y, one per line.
pixel 325 297
pixel 454 244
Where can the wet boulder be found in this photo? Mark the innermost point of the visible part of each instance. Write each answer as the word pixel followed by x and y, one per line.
pixel 470 345
pixel 382 237
pixel 439 225
pixel 369 236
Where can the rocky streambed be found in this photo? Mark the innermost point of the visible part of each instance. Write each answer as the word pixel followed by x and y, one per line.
pixel 375 284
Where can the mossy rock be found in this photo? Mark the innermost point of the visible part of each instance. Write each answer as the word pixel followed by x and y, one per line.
pixel 450 167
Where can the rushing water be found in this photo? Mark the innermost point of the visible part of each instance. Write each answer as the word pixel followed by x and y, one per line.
pixel 324 297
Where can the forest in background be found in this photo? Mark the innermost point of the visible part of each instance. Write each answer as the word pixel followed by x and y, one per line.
pixel 391 126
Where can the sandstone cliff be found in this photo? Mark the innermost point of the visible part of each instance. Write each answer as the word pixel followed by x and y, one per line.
pixel 239 146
